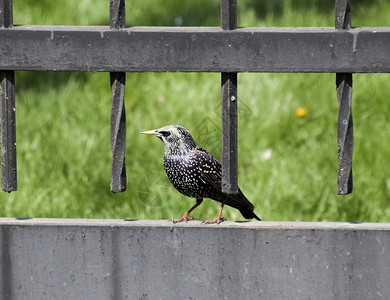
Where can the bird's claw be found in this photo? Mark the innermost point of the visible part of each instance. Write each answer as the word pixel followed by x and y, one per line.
pixel 216 220
pixel 183 218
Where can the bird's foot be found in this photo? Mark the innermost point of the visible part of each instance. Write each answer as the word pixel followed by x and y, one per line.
pixel 217 220
pixel 185 218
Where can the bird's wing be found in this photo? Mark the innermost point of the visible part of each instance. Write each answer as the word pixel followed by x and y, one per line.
pixel 210 168
pixel 210 172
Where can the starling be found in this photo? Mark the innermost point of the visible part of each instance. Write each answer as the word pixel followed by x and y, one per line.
pixel 195 173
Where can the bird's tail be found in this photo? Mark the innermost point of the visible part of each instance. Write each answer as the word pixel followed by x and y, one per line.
pixel 245 207
pixel 248 214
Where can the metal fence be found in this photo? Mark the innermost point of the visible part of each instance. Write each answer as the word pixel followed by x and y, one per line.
pixel 229 50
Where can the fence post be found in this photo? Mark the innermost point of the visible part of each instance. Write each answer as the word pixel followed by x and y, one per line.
pixel 7 98
pixel 118 115
pixel 344 98
pixel 229 109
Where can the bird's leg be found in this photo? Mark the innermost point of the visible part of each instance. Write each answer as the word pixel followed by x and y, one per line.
pixel 185 217
pixel 218 219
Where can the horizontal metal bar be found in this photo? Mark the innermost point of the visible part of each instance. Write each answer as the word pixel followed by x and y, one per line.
pixel 195 49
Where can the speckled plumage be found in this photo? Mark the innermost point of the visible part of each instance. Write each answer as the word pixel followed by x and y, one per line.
pixel 195 173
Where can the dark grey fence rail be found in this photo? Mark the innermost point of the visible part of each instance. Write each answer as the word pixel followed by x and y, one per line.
pixel 117 259
pixel 195 49
pixel 229 50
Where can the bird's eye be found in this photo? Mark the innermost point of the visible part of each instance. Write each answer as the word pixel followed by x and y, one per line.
pixel 165 133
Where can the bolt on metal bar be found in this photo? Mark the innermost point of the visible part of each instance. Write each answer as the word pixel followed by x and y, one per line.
pixel 8 123
pixel 344 98
pixel 229 109
pixel 118 115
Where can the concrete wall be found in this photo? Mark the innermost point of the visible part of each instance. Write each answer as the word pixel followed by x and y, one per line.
pixel 118 259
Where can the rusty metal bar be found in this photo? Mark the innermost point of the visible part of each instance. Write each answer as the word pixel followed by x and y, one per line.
pixel 229 109
pixel 118 115
pixel 8 123
pixel 344 98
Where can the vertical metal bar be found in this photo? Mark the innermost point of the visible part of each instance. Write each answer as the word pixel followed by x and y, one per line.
pixel 229 14
pixel 6 14
pixel 229 133
pixel 344 133
pixel 8 123
pixel 118 115
pixel 229 109
pixel 8 132
pixel 342 15
pixel 344 98
pixel 117 14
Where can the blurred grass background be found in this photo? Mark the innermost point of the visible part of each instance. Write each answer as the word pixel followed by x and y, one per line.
pixel 287 164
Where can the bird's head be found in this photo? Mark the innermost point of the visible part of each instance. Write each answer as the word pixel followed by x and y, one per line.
pixel 176 139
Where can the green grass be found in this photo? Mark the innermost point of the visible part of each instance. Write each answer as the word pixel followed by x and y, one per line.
pixel 63 119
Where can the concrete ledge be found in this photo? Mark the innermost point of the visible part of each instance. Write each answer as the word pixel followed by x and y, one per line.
pixel 152 259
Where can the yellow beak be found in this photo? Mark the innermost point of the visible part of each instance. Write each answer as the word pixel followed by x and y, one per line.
pixel 150 132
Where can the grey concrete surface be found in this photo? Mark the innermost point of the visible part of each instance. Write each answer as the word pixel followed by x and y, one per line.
pixel 149 259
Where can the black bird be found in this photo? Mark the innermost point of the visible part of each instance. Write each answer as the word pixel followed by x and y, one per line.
pixel 196 173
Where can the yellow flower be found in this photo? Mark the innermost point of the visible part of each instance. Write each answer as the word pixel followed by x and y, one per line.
pixel 301 112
